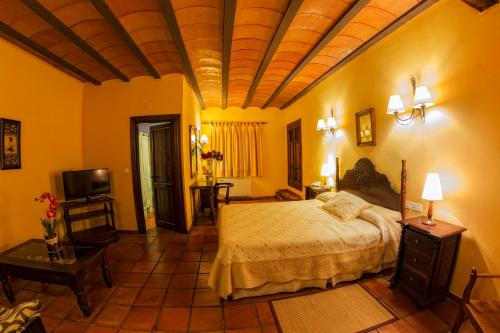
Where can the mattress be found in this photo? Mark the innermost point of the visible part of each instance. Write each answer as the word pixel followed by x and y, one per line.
pixel 266 248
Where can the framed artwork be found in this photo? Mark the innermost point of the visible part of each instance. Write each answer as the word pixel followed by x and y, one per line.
pixel 194 138
pixel 481 5
pixel 10 144
pixel 365 127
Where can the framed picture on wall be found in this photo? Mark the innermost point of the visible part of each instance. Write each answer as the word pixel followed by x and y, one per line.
pixel 365 127
pixel 194 138
pixel 10 144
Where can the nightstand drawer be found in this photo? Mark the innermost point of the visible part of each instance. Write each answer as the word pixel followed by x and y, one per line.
pixel 413 280
pixel 417 261
pixel 419 242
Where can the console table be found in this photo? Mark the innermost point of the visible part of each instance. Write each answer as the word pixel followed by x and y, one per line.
pixel 95 207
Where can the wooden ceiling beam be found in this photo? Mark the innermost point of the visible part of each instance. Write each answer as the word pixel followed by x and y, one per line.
pixel 417 9
pixel 292 9
pixel 334 30
pixel 41 11
pixel 14 34
pixel 173 26
pixel 110 17
pixel 229 14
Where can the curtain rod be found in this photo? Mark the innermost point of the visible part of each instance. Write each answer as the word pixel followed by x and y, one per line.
pixel 233 122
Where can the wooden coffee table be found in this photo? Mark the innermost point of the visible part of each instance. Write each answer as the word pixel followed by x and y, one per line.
pixel 30 261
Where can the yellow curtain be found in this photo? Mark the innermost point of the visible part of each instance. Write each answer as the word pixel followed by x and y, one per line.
pixel 241 144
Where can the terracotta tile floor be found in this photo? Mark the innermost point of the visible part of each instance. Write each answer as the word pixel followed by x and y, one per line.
pixel 160 285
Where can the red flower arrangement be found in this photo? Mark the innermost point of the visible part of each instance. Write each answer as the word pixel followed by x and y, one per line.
pixel 212 155
pixel 49 222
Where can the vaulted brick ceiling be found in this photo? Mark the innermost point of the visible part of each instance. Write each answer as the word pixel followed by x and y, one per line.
pixel 233 52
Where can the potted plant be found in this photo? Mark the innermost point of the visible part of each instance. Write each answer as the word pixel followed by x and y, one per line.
pixel 210 157
pixel 49 222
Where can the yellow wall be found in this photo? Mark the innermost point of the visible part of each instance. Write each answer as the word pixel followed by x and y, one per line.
pixel 106 130
pixel 49 105
pixel 455 51
pixel 273 138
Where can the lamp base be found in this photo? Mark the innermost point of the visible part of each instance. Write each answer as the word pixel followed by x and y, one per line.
pixel 428 222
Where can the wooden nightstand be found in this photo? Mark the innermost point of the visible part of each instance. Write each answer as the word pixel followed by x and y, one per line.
pixel 312 191
pixel 426 260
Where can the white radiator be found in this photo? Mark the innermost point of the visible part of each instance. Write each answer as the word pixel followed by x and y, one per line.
pixel 242 186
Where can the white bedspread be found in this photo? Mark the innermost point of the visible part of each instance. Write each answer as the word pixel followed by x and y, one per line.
pixel 267 245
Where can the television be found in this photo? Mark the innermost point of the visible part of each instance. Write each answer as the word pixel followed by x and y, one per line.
pixel 85 184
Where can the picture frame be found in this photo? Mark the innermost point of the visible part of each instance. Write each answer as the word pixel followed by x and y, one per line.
pixel 481 5
pixel 365 128
pixel 194 138
pixel 10 144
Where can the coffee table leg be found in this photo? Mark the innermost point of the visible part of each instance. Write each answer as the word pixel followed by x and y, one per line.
pixel 81 298
pixel 7 288
pixel 105 271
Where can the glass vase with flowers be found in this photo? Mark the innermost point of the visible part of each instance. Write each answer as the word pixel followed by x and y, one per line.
pixel 49 223
pixel 210 158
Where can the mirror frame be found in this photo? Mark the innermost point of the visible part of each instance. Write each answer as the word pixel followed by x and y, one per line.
pixel 370 112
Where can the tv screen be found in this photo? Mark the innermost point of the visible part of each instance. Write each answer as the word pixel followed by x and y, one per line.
pixel 86 183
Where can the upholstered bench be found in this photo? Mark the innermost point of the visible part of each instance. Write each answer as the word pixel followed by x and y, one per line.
pixel 24 318
pixel 287 195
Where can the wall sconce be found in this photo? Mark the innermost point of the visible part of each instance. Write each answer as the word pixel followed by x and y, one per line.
pixel 203 139
pixel 422 99
pixel 327 127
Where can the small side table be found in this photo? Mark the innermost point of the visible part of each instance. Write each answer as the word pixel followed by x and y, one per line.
pixel 426 259
pixel 313 191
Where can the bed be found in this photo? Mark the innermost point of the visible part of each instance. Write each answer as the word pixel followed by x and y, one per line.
pixel 267 248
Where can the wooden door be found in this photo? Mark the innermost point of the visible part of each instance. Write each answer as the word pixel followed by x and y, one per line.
pixel 294 153
pixel 163 174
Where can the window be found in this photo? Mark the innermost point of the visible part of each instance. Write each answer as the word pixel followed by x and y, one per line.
pixel 294 153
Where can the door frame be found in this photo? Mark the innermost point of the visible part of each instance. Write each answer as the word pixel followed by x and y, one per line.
pixel 136 173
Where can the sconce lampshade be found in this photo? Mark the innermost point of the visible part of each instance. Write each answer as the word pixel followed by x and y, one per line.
pixel 204 139
pixel 422 97
pixel 321 125
pixel 395 105
pixel 432 188
pixel 331 123
pixel 193 138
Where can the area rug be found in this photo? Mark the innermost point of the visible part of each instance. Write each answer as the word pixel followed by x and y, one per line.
pixel 347 309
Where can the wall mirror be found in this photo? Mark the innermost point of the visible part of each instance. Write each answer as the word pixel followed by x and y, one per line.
pixel 365 127
pixel 194 138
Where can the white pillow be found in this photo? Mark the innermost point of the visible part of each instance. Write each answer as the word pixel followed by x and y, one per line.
pixel 345 206
pixel 325 196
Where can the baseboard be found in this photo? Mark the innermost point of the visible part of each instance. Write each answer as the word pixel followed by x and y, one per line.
pixel 127 231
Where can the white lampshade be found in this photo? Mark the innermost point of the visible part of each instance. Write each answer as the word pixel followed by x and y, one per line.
pixel 432 188
pixel 395 105
pixel 422 97
pixel 204 139
pixel 193 138
pixel 325 170
pixel 321 125
pixel 331 123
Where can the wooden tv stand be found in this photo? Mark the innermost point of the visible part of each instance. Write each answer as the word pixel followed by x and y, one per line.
pixel 100 235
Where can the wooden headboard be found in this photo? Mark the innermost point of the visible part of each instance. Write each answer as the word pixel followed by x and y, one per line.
pixel 365 182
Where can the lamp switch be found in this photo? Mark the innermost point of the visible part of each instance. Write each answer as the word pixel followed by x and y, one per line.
pixel 414 206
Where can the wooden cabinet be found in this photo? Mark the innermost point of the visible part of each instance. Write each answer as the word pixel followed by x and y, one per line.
pixel 312 192
pixel 426 260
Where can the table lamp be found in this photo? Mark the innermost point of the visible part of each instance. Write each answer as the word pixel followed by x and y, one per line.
pixel 325 172
pixel 432 192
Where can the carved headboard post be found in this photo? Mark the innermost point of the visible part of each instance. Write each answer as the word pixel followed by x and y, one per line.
pixel 337 174
pixel 403 188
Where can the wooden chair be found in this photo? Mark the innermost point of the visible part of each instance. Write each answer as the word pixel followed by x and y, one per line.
pixel 483 315
pixel 224 197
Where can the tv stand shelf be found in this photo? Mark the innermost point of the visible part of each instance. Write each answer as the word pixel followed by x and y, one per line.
pixel 97 207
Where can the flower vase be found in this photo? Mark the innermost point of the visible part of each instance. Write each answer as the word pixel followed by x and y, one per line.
pixel 53 244
pixel 210 170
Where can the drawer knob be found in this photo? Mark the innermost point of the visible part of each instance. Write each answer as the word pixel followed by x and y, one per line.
pixel 414 260
pixel 411 278
pixel 417 241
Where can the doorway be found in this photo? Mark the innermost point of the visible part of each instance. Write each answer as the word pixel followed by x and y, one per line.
pixel 157 172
